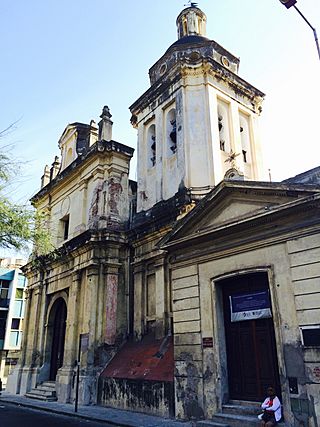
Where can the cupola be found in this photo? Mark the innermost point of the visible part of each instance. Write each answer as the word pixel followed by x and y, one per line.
pixel 191 22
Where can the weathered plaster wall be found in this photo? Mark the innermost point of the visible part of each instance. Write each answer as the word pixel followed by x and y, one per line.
pixel 304 256
pixel 201 373
pixel 89 280
pixel 151 288
pixel 94 196
pixel 198 163
pixel 154 397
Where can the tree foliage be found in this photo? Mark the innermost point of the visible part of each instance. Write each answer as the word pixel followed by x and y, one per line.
pixel 20 225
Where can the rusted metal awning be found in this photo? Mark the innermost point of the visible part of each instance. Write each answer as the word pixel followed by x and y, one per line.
pixel 149 359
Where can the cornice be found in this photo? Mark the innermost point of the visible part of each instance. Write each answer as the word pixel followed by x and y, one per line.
pixel 237 246
pixel 186 66
pixel 245 225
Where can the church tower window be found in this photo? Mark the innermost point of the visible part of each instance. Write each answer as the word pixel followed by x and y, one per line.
pixel 171 132
pixel 245 137
pixel 152 154
pixel 223 125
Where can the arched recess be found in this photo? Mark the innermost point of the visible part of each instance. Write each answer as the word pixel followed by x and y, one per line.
pixel 245 138
pixel 55 334
pixel 151 141
pixel 223 125
pixel 69 156
pixel 171 132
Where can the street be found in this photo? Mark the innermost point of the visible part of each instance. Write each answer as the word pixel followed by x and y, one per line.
pixel 17 416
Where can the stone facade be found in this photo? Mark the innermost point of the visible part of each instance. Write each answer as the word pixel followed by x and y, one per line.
pixel 239 229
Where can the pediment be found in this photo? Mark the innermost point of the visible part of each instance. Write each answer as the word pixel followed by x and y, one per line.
pixel 233 209
pixel 68 133
pixel 232 203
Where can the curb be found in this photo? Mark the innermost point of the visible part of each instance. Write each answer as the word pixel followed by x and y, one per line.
pixel 67 414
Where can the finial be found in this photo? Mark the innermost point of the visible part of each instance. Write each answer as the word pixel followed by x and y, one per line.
pixel 105 124
pixel 106 112
pixel 192 4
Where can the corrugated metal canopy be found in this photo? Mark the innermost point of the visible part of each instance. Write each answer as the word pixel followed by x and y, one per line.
pixel 149 359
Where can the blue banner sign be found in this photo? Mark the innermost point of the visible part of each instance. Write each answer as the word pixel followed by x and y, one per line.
pixel 255 305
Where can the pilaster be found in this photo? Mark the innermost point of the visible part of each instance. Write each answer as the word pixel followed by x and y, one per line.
pixel 92 302
pixel 112 281
pixel 138 301
pixel 72 326
pixel 161 300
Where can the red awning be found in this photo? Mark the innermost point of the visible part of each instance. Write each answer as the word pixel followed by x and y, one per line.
pixel 149 359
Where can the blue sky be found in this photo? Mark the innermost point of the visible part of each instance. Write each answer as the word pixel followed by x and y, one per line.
pixel 62 60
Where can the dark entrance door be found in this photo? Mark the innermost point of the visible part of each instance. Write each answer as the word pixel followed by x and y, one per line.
pixel 251 349
pixel 59 332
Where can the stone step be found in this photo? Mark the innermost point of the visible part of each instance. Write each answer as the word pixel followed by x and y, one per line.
pixel 208 423
pixel 241 409
pixel 245 403
pixel 46 388
pixel 49 384
pixel 42 392
pixel 45 391
pixel 237 420
pixel 32 395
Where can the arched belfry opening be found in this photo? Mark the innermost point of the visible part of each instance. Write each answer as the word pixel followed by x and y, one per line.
pixel 56 336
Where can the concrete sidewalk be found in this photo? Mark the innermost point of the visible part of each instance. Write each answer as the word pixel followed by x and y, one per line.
pixel 117 417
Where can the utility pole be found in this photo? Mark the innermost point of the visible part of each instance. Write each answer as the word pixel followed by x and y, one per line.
pixel 290 3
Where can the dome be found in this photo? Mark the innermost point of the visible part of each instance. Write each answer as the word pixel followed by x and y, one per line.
pixel 189 40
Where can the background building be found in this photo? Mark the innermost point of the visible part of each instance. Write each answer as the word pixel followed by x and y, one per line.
pixel 12 296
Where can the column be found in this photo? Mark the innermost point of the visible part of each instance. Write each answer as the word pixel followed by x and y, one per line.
pixel 91 301
pixel 111 308
pixel 72 333
pixel 88 384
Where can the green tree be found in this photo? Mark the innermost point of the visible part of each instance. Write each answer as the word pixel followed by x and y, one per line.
pixel 20 225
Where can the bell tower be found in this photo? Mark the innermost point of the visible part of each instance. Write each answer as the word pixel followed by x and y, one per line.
pixel 198 122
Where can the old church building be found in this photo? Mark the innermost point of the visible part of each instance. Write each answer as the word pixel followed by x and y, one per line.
pixel 195 288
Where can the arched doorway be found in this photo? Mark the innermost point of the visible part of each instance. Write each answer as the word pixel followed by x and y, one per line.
pixel 58 315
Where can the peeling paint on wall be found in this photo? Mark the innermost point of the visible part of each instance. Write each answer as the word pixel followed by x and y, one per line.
pixel 114 192
pixel 94 206
pixel 111 308
pixel 154 397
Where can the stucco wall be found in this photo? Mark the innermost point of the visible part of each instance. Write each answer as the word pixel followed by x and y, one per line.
pixel 201 377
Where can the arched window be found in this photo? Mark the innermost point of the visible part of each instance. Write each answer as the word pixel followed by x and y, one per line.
pixel 223 126
pixel 171 133
pixel 152 146
pixel 245 137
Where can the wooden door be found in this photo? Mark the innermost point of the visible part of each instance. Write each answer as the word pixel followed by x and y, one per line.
pixel 250 344
pixel 59 331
